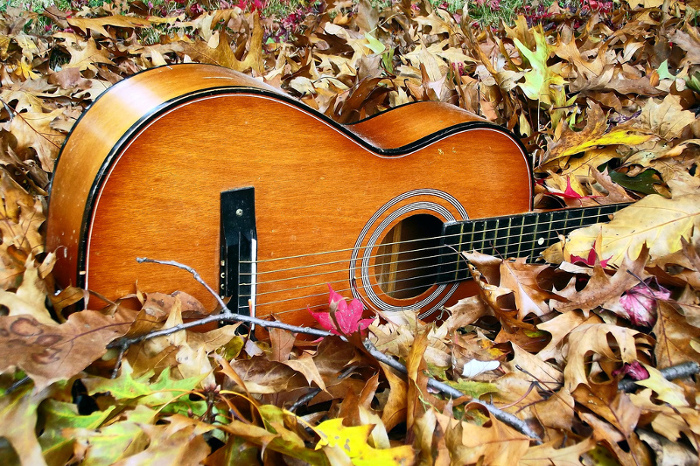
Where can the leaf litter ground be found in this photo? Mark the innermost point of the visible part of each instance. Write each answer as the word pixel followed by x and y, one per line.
pixel 605 101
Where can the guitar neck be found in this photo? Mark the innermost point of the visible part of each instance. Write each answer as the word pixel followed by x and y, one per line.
pixel 522 235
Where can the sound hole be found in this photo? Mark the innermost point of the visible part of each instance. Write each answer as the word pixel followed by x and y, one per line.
pixel 408 257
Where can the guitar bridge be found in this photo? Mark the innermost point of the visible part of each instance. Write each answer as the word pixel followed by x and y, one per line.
pixel 238 250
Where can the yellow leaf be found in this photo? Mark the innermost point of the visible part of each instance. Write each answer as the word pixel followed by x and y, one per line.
pixel 352 441
pixel 655 220
pixel 617 136
pixel 665 389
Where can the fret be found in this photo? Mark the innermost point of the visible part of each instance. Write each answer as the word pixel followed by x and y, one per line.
pixel 520 236
pixel 541 233
pixel 511 236
pixel 460 244
pixel 508 240
pixel 489 241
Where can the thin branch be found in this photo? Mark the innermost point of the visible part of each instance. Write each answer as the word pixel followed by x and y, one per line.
pixel 218 318
pixel 679 371
pixel 507 418
pixel 229 316
pixel 195 275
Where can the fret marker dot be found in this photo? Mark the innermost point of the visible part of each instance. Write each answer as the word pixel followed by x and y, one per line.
pixel 540 241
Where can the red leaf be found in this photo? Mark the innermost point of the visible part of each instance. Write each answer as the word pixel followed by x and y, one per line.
pixel 635 370
pixel 590 260
pixel 640 303
pixel 348 316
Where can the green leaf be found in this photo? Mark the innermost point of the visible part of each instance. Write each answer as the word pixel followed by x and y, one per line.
pixel 373 44
pixel 473 388
pixel 118 440
pixel 388 60
pixel 18 413
pixel 663 71
pixel 540 78
pixel 58 415
pixel 642 183
pixel 125 387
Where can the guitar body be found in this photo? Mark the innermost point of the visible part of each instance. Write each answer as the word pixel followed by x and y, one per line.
pixel 142 173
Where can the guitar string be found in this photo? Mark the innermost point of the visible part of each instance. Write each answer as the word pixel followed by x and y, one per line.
pixel 550 223
pixel 325 293
pixel 417 277
pixel 344 261
pixel 483 240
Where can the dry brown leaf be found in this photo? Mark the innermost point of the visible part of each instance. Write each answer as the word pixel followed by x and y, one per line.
pixel 610 345
pixel 48 353
pixel 658 222
pixel 547 454
pixel 492 443
pixel 98 24
pixel 668 119
pixel 522 279
pixel 673 337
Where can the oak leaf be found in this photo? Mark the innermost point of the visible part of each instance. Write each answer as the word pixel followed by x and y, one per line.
pixel 674 335
pixel 602 289
pixel 30 298
pixel 34 131
pixel 490 443
pixel 395 408
pixel 85 55
pixel 262 376
pixel 98 24
pixel 542 83
pixel 660 223
pixel 596 133
pixel 668 119
pixel 665 390
pixel 48 353
pixel 608 345
pixel 522 279
pixel 547 454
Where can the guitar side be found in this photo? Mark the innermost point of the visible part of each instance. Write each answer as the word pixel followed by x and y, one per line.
pixel 151 174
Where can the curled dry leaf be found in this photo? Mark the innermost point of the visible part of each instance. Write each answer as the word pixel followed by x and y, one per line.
pixel 596 338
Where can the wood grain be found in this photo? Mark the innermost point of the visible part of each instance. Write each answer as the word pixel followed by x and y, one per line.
pixel 316 187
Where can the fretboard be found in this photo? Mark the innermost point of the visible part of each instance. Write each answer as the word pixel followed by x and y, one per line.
pixel 522 235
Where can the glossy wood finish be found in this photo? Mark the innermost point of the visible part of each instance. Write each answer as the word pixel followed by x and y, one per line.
pixel 317 185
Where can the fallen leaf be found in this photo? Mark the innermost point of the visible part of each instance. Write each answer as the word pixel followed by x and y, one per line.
pixel 48 353
pixel 660 223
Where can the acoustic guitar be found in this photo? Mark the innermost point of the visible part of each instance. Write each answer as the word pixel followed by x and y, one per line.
pixel 271 201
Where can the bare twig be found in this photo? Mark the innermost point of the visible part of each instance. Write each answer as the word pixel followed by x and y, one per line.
pixel 195 275
pixel 507 418
pixel 229 316
pixel 679 371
